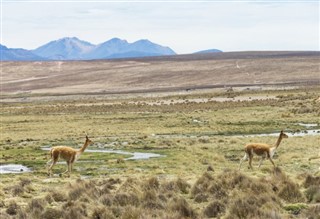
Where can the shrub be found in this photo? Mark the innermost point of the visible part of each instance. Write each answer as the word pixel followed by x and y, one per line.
pixel 152 183
pixel 295 208
pixel 310 181
pixel 106 200
pixel 183 186
pixel 101 213
pixel 199 198
pixel 58 196
pixel 12 208
pixel 290 192
pixel 17 190
pixel 244 207
pixel 75 212
pixel 131 213
pixel 151 201
pixel 51 213
pixel 123 199
pixel 36 207
pixel 24 181
pixel 181 206
pixel 36 204
pixel 312 212
pixel 201 184
pixel 214 209
pixel 313 193
pixel 76 193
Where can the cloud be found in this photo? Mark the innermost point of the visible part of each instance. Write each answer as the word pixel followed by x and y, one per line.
pixel 184 26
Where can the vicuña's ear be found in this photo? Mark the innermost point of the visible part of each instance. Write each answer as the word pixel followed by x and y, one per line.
pixel 281 132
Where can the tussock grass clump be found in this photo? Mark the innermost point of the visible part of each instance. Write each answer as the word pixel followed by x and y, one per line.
pixel 101 212
pixel 152 183
pixel 36 207
pixel 201 184
pixel 295 208
pixel 75 210
pixel 311 181
pixel 313 193
pixel 214 209
pixel 51 213
pixel 58 196
pixel 311 212
pixel 286 189
pixel 12 208
pixel 251 206
pixel 178 185
pixel 132 213
pixel 290 192
pixel 124 199
pixel 182 207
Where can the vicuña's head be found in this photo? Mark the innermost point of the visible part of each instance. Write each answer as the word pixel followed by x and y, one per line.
pixel 283 135
pixel 88 141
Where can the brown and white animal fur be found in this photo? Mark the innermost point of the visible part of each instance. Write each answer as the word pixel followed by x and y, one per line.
pixel 70 155
pixel 263 150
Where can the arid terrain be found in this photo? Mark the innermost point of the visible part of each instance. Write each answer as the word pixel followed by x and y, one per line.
pixel 168 133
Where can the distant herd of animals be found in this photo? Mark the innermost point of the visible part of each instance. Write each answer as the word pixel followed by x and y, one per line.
pixel 70 155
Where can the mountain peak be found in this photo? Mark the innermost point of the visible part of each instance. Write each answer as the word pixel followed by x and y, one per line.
pixel 73 48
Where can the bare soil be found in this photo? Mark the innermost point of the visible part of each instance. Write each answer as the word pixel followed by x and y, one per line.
pixel 158 74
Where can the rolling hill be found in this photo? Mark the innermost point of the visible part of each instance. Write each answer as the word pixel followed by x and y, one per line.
pixel 166 73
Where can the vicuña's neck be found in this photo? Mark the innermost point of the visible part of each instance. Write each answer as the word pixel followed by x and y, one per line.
pixel 81 150
pixel 278 141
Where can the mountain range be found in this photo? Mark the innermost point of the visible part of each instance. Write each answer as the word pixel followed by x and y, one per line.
pixel 72 48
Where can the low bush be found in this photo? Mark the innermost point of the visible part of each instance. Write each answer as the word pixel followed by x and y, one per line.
pixel 51 213
pixel 12 208
pixel 313 193
pixel 290 192
pixel 214 209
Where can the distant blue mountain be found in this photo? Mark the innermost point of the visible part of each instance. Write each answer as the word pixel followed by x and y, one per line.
pixel 72 48
pixel 8 54
pixel 65 49
pixel 208 51
pixel 117 48
pixel 75 49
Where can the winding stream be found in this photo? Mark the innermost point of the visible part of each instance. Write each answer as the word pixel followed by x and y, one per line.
pixel 18 168
pixel 134 155
pixel 13 168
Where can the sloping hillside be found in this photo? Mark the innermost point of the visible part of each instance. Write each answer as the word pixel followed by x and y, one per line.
pixel 162 73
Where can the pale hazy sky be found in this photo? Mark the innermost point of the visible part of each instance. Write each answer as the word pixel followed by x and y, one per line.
pixel 184 26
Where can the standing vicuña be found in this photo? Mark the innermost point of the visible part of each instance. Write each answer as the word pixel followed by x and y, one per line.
pixel 260 149
pixel 70 155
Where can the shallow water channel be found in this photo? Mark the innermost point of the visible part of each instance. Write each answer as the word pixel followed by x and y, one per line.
pixel 18 168
pixel 134 155
pixel 13 168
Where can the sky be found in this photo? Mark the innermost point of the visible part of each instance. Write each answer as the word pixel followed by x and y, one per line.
pixel 184 26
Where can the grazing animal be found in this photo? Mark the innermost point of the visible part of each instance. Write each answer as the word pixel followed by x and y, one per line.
pixel 263 150
pixel 70 155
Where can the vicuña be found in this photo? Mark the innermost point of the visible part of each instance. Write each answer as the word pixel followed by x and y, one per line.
pixel 263 150
pixel 70 155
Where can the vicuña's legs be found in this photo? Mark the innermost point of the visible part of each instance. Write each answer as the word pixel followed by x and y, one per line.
pixel 271 160
pixel 250 161
pixel 243 159
pixel 261 161
pixel 50 167
pixel 68 171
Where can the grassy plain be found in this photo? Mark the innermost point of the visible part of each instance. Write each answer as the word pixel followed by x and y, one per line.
pixel 198 111
pixel 202 142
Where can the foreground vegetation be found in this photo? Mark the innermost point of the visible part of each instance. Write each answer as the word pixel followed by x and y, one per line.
pixel 200 138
